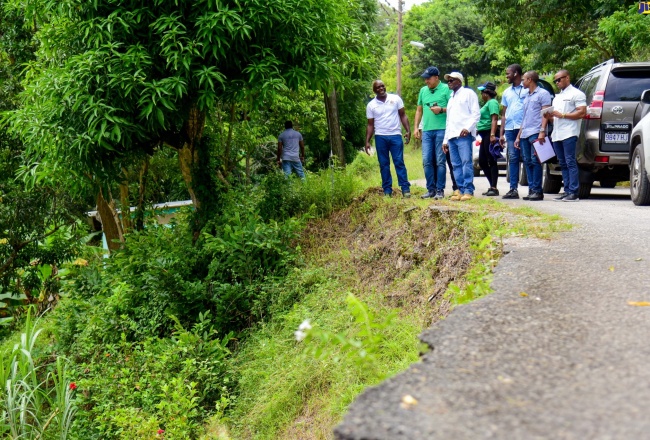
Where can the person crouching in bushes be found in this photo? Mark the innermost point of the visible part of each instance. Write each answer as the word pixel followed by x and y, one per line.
pixel 487 129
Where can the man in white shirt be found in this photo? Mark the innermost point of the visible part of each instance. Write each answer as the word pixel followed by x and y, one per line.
pixel 569 107
pixel 384 113
pixel 463 113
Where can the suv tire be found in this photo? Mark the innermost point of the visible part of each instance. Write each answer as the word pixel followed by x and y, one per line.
pixel 585 190
pixel 551 184
pixel 608 183
pixel 523 177
pixel 639 185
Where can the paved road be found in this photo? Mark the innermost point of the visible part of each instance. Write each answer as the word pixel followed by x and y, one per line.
pixel 569 361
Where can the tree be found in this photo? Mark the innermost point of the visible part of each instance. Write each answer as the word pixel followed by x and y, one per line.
pixel 113 80
pixel 552 33
pixel 37 222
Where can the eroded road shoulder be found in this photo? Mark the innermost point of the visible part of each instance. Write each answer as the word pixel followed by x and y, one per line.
pixel 557 351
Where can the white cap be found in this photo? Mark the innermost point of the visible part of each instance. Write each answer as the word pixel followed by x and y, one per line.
pixel 456 75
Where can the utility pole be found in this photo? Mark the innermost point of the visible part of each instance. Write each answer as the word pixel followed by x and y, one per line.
pixel 400 3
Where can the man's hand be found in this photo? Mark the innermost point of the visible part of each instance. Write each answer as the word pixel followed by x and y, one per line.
pixel 464 132
pixel 445 148
pixel 368 149
pixel 302 159
pixel 542 136
pixel 436 109
pixel 555 113
pixel 417 134
pixel 279 163
pixel 407 137
pixel 517 143
pixel 502 141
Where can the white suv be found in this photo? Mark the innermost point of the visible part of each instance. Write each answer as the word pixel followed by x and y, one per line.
pixel 640 157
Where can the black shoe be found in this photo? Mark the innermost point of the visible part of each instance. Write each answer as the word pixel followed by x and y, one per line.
pixel 560 197
pixel 512 194
pixel 571 198
pixel 527 197
pixel 534 197
pixel 428 195
pixel 491 192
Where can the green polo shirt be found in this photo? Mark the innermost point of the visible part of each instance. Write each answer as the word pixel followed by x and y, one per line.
pixel 440 95
pixel 490 108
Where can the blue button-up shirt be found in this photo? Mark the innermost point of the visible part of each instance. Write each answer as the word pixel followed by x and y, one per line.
pixel 532 123
pixel 513 99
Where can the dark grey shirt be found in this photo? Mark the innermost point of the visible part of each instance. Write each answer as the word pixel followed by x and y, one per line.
pixel 290 139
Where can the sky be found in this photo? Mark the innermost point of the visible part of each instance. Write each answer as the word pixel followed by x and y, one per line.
pixel 407 3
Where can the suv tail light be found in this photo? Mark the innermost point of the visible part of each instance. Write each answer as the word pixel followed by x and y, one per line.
pixel 602 159
pixel 595 109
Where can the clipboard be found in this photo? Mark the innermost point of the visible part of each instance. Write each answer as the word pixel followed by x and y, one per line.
pixel 544 150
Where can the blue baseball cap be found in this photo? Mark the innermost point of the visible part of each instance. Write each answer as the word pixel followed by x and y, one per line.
pixel 430 71
pixel 487 86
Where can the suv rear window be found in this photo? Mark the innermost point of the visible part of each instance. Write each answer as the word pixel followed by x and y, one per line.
pixel 627 85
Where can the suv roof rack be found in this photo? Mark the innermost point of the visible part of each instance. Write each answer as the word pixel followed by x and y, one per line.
pixel 609 61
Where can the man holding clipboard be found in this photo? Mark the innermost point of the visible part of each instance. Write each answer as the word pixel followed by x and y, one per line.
pixel 533 128
pixel 569 107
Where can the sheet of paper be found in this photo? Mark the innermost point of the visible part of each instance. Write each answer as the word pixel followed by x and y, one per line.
pixel 546 110
pixel 544 150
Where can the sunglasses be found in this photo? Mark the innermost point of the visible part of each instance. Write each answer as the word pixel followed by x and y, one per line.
pixel 557 80
pixel 452 80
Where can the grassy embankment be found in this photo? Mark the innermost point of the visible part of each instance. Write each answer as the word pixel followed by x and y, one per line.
pixel 408 263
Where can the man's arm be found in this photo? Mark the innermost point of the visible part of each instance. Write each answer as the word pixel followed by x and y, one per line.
pixel 279 153
pixel 416 122
pixel 405 123
pixel 370 130
pixel 502 132
pixel 542 132
pixel 302 150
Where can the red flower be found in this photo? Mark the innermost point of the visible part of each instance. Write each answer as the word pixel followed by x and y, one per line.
pixel 73 386
pixel 161 431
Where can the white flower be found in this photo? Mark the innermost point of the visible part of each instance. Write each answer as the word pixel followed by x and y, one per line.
pixel 305 325
pixel 300 335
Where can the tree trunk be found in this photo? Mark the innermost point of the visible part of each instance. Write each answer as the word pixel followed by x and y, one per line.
pixel 139 210
pixel 124 203
pixel 334 127
pixel 188 154
pixel 110 222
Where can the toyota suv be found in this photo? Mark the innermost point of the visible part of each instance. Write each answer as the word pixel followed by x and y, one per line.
pixel 613 93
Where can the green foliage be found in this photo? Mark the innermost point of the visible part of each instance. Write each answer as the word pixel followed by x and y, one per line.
pixel 555 34
pixel 131 390
pixel 280 379
pixel 320 194
pixel 35 403
pixel 452 32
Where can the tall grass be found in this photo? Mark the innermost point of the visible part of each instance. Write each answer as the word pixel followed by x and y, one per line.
pixel 35 404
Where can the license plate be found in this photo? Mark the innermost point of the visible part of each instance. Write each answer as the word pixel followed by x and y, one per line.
pixel 616 138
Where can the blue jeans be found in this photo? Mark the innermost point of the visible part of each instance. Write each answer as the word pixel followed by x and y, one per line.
pixel 565 151
pixel 460 149
pixel 433 160
pixel 391 146
pixel 514 157
pixel 533 167
pixel 289 165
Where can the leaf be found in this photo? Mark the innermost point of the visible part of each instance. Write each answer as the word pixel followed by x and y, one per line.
pixel 523 294
pixel 611 268
pixel 639 303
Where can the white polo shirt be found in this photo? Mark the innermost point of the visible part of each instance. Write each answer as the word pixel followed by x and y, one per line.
pixel 386 115
pixel 566 102
pixel 463 112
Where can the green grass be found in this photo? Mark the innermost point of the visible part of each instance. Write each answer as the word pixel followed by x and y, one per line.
pixel 288 389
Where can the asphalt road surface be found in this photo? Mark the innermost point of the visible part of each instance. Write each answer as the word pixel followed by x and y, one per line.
pixel 570 359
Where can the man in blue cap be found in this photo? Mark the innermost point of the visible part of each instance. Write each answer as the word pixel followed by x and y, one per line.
pixel 431 110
